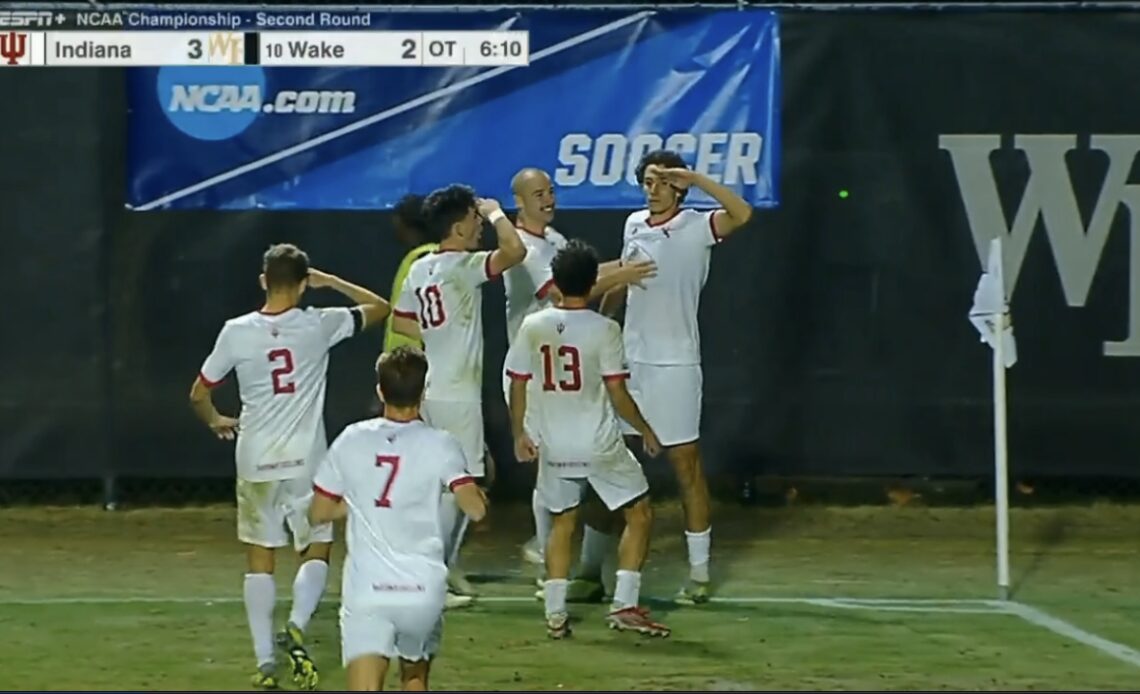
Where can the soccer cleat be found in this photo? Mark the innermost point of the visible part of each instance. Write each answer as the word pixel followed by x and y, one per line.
pixel 636 619
pixel 585 590
pixel 265 678
pixel 457 583
pixel 455 601
pixel 292 641
pixel 558 625
pixel 695 593
pixel 532 553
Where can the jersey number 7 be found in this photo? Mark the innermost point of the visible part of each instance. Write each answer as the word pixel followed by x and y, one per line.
pixel 387 461
pixel 431 306
pixel 570 361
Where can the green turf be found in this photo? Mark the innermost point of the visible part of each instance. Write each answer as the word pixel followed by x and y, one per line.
pixel 1078 564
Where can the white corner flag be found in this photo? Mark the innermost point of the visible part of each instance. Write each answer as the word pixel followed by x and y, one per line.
pixel 990 310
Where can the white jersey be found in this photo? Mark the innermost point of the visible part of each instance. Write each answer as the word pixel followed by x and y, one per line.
pixel 443 292
pixel 528 283
pixel 392 475
pixel 570 353
pixel 661 318
pixel 281 361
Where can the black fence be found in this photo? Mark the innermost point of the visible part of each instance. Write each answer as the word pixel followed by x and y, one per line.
pixel 835 335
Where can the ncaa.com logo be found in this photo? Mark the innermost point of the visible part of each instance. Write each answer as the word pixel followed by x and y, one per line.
pixel 218 103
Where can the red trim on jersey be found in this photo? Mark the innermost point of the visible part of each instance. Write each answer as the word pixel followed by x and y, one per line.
pixel 404 314
pixel 540 235
pixel 491 274
pixel 515 375
pixel 326 493
pixel 616 377
pixel 666 220
pixel 207 382
pixel 263 312
pixel 573 308
pixel 460 481
pixel 544 289
pixel 712 227
pixel 448 250
pixel 417 418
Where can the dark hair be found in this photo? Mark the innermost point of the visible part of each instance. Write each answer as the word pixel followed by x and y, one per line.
pixel 410 212
pixel 284 265
pixel 447 206
pixel 665 158
pixel 575 269
pixel 401 374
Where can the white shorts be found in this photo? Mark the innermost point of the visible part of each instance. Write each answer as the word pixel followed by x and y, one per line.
pixel 617 480
pixel 464 421
pixel 269 512
pixel 669 398
pixel 411 632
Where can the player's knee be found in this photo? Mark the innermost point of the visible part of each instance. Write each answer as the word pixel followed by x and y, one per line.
pixel 318 550
pixel 686 461
pixel 413 675
pixel 639 515
pixel 566 521
pixel 259 560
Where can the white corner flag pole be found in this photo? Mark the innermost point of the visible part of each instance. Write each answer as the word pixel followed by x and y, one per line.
pixel 990 316
pixel 1001 464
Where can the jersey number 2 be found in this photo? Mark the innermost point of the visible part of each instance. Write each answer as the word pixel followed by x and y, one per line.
pixel 571 362
pixel 383 461
pixel 431 306
pixel 284 358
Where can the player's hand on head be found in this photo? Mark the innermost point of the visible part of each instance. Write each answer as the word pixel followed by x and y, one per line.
pixel 318 279
pixel 678 177
pixel 224 428
pixel 487 206
pixel 525 450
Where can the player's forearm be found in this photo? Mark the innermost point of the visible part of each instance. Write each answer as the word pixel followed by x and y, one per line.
pixel 356 293
pixel 609 278
pixel 736 207
pixel 408 328
pixel 627 409
pixel 612 302
pixel 518 407
pixel 204 408
pixel 510 245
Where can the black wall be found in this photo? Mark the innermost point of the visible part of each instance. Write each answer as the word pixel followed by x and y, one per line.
pixel 835 331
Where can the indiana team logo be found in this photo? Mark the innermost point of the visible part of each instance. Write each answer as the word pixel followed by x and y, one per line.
pixel 561 327
pixel 13 46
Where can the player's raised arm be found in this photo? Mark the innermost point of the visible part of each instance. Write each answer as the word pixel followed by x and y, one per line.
pixel 735 210
pixel 214 370
pixel 373 309
pixel 511 250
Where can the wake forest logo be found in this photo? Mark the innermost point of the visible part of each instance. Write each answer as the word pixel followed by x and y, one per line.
pixel 1049 197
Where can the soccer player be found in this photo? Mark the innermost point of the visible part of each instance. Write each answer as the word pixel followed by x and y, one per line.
pixel 387 476
pixel 442 305
pixel 530 286
pixel 412 232
pixel 281 355
pixel 576 358
pixel 662 339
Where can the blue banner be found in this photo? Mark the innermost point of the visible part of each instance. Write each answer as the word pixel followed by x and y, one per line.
pixel 602 88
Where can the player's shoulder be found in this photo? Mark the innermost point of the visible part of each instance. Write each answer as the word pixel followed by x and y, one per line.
pixel 637 218
pixel 556 238
pixel 597 321
pixel 689 216
pixel 431 438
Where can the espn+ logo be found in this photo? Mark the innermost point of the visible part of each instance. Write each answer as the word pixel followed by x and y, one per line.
pixel 218 103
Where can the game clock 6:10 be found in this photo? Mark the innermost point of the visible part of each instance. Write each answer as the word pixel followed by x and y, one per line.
pixel 507 48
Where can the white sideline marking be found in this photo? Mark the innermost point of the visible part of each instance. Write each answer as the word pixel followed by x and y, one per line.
pixel 1072 631
pixel 392 112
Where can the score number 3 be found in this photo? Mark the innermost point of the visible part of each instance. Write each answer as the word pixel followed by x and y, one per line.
pixel 383 461
pixel 280 385
pixel 570 360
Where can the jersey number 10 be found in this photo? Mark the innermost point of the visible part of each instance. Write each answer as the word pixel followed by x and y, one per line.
pixel 431 306
pixel 570 362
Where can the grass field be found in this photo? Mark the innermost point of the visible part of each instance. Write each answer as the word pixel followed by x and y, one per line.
pixel 814 598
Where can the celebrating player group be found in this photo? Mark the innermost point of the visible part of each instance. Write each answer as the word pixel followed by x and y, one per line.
pixel 408 482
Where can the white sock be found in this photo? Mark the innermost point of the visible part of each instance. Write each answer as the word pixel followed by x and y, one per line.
pixel 543 521
pixel 308 587
pixel 628 590
pixel 699 544
pixel 555 595
pixel 596 546
pixel 260 594
pixel 448 517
